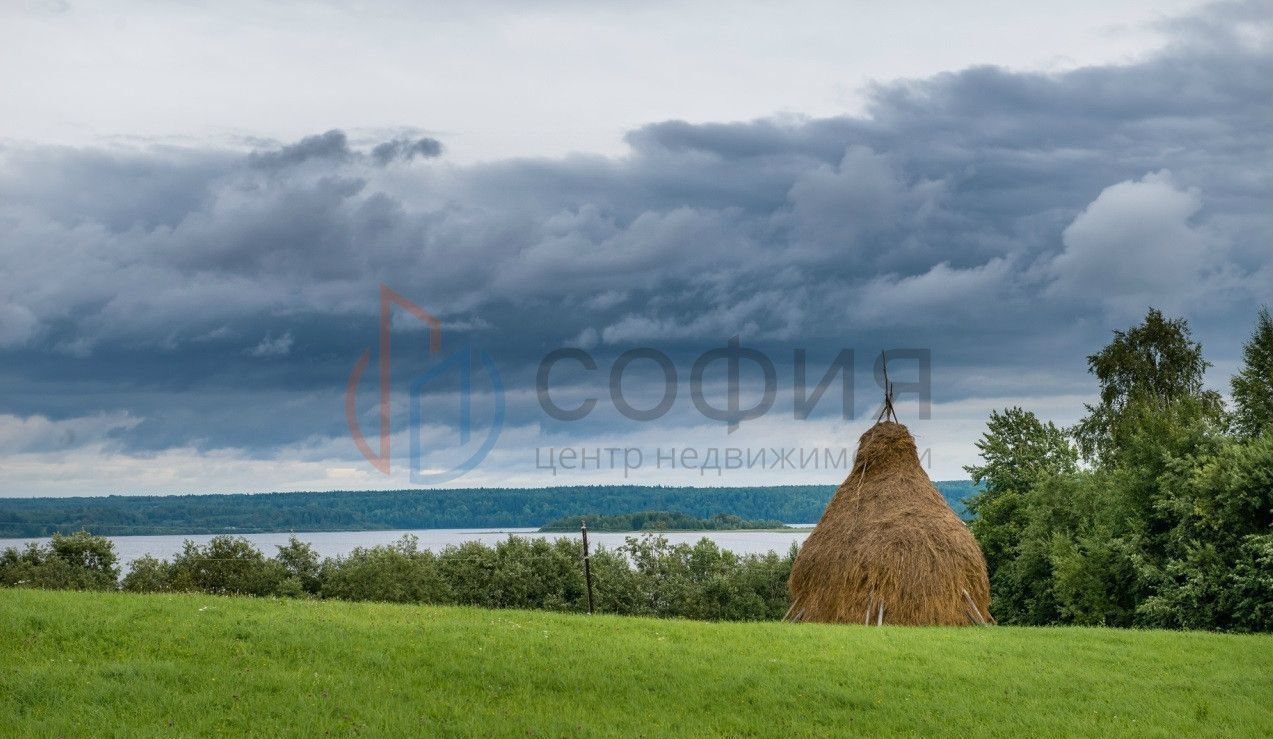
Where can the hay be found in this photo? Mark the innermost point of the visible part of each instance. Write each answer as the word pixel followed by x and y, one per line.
pixel 888 548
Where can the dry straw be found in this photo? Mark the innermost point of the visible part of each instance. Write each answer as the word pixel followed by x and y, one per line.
pixel 888 549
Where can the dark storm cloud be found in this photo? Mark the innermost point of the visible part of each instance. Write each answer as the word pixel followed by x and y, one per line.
pixel 1003 219
pixel 331 146
pixel 406 150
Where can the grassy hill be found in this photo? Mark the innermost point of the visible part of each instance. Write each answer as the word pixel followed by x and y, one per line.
pixel 76 664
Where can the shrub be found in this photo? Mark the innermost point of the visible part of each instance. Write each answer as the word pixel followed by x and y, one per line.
pixel 148 575
pixel 227 565
pixel 78 561
pixel 398 573
pixel 303 568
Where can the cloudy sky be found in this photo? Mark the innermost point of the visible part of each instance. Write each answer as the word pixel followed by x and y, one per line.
pixel 199 204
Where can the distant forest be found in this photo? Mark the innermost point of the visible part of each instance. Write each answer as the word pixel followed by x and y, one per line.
pixel 660 521
pixel 119 515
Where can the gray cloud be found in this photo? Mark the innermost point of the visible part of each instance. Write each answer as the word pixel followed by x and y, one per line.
pixel 406 150
pixel 273 347
pixel 1004 219
pixel 17 324
pixel 37 433
pixel 1136 244
pixel 331 146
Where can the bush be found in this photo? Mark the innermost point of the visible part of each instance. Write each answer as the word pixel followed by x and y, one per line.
pixel 651 577
pixel 526 573
pixel 1249 597
pixel 79 561
pixel 227 565
pixel 646 576
pixel 148 575
pixel 398 573
pixel 303 568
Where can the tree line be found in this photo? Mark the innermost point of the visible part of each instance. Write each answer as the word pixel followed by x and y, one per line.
pixel 1154 510
pixel 646 576
pixel 660 521
pixel 120 515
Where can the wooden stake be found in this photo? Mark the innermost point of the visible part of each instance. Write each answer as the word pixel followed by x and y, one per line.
pixel 886 413
pixel 976 611
pixel 587 563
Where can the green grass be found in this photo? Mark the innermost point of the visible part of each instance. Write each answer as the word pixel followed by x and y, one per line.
pixel 100 664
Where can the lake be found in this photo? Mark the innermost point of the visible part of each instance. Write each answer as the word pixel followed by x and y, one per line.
pixel 337 543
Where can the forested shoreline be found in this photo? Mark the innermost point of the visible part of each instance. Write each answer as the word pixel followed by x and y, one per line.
pixel 259 513
pixel 660 521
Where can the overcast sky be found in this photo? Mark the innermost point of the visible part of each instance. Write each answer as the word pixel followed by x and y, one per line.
pixel 200 202
pixel 499 79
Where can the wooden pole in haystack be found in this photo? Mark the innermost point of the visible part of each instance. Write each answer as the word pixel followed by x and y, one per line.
pixel 886 413
pixel 587 563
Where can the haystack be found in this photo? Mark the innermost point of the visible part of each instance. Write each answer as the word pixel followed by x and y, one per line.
pixel 888 549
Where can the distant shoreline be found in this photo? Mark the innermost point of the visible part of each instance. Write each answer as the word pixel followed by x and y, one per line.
pixel 455 508
pixel 522 531
pixel 659 521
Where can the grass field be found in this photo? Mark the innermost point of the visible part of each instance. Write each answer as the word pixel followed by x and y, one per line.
pixel 99 664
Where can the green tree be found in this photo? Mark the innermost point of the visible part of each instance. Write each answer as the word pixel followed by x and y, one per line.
pixel 1250 592
pixel 1253 385
pixel 1096 546
pixel 1112 553
pixel 1155 364
pixel 94 556
pixel 1217 565
pixel 301 563
pixel 1079 526
pixel 1018 452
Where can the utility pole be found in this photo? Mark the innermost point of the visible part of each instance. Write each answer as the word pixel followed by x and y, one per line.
pixel 587 563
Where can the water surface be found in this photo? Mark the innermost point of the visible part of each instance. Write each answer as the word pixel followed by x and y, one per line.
pixel 338 543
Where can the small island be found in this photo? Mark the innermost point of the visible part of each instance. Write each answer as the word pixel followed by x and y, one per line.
pixel 660 521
